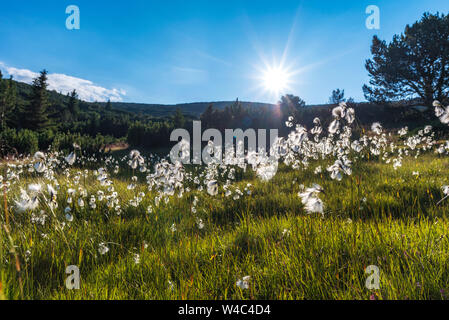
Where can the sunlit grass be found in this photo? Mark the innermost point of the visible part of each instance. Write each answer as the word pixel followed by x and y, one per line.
pixel 377 216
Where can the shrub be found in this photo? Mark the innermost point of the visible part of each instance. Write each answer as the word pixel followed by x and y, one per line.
pixel 27 142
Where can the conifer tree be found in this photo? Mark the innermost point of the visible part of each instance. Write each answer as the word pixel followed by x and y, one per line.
pixel 108 105
pixel 178 119
pixel 36 116
pixel 8 102
pixel 73 105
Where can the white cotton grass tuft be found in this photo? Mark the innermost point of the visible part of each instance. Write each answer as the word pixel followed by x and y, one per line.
pixel 102 248
pixel 445 190
pixel 267 169
pixel 310 200
pixel 27 202
pixel 68 215
pixel 376 127
pixel 212 187
pixel 441 112
pixel 243 283
pixel 70 159
pixel 40 167
pixel 135 159
pixel 39 156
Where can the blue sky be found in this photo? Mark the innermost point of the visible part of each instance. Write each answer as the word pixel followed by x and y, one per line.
pixel 189 51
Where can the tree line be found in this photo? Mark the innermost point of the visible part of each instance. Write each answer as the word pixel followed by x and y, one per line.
pixel 34 118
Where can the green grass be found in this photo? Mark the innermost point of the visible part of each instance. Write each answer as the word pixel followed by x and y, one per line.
pixel 377 216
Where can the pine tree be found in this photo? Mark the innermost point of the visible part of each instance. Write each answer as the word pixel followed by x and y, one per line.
pixel 108 105
pixel 2 100
pixel 415 64
pixel 73 105
pixel 178 119
pixel 337 96
pixel 8 102
pixel 36 116
pixel 290 105
pixel 207 118
pixel 11 103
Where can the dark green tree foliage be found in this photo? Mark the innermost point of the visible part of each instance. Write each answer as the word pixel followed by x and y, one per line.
pixel 108 105
pixel 207 117
pixel 66 119
pixel 237 116
pixel 337 96
pixel 414 64
pixel 290 105
pixel 73 105
pixel 150 135
pixel 178 119
pixel 36 116
pixel 2 101
pixel 8 102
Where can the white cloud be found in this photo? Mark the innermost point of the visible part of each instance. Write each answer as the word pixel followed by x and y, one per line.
pixel 86 89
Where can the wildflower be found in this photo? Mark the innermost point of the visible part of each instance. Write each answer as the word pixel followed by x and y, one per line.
pixel 314 205
pixel 102 248
pixel 340 165
pixel 170 285
pixel 34 188
pixel 376 127
pixel 310 200
pixel 39 167
pixel 441 113
pixel 38 218
pixel 51 191
pixel 200 223
pixel 243 283
pixel 26 202
pixel 403 131
pixel 334 126
pixel 70 159
pixel 317 129
pixel 212 187
pixel 285 232
pixel 445 190
pixel 267 170
pixel 39 156
pixel 68 216
pixel 135 159
pixel 92 203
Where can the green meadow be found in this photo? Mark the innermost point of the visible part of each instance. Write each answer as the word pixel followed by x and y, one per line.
pixel 377 216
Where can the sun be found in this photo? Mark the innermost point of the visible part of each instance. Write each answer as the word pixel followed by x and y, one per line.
pixel 275 79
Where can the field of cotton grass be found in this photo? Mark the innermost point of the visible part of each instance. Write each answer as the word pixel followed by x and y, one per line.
pixel 335 200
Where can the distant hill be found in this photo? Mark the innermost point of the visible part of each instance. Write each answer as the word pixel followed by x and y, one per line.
pixel 192 109
pixel 390 116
